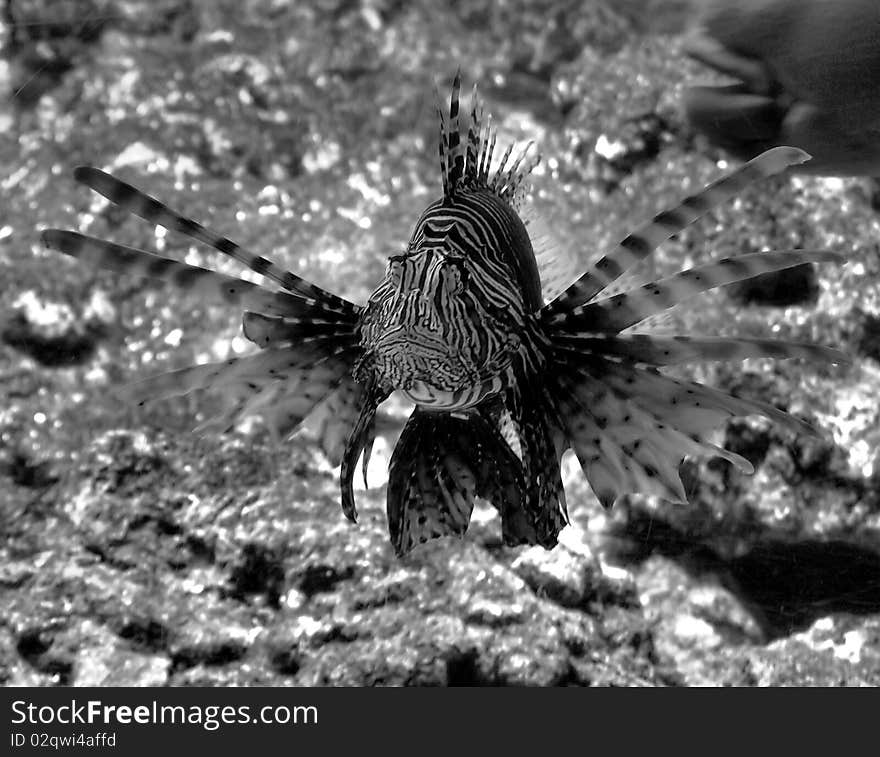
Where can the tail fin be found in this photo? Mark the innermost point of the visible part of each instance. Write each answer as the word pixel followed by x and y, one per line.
pixel 440 464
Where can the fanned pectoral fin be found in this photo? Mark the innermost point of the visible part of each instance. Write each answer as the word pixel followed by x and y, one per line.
pixel 282 386
pixel 297 397
pixel 688 406
pixel 202 282
pixel 440 464
pixel 673 350
pixel 644 240
pixel 135 201
pixel 619 451
pixel 275 331
pixel 336 416
pixel 257 370
pixel 623 310
pixel 631 428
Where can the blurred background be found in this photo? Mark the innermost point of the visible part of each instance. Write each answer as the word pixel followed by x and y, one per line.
pixel 133 553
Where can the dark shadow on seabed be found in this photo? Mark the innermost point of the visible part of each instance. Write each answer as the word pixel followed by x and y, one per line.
pixel 785 584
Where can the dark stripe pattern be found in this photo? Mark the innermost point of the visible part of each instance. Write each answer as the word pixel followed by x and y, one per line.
pixel 193 279
pixel 308 335
pixel 452 313
pixel 643 241
pixel 150 209
pixel 504 384
pixel 628 308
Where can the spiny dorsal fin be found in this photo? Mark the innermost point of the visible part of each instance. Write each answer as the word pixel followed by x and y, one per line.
pixel 466 163
pixel 473 140
pixel 511 185
pixel 488 151
pixel 496 183
pixel 455 150
pixel 444 168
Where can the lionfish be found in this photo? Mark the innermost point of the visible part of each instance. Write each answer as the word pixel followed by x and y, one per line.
pixel 503 382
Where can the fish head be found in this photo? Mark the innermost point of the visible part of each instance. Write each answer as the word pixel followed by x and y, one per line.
pixel 442 326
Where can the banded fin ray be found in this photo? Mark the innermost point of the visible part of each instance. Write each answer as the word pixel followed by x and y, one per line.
pixel 360 440
pixel 474 135
pixel 335 417
pixel 135 201
pixel 628 308
pixel 486 152
pixel 283 405
pixel 275 331
pixel 611 448
pixel 674 350
pixel 508 184
pixel 466 153
pixel 624 448
pixel 689 406
pixel 455 150
pixel 254 370
pixel 193 279
pixel 638 245
pixel 495 182
pixel 448 189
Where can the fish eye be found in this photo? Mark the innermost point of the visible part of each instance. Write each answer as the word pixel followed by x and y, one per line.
pixel 395 267
pixel 455 273
pixel 459 262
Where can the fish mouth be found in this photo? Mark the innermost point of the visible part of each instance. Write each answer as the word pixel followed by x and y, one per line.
pixel 431 372
pixel 452 386
pixel 428 397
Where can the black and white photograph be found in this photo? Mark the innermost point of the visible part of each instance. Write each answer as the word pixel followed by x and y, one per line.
pixel 444 343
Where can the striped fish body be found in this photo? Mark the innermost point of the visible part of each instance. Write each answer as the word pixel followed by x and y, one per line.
pixel 457 309
pixel 455 325
pixel 504 382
